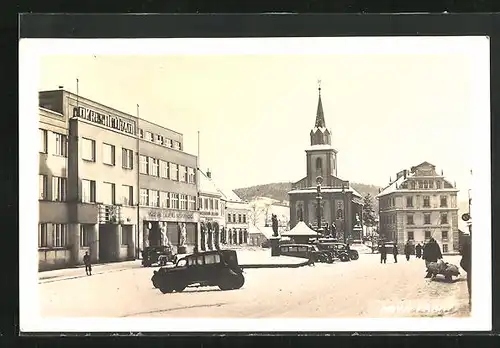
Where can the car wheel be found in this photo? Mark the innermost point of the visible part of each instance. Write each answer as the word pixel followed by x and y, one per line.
pixel 238 281
pixel 448 278
pixel 146 264
pixel 344 258
pixel 180 288
pixel 354 256
pixel 166 289
pixel 330 259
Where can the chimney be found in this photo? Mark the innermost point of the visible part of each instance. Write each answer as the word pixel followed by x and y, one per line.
pixel 209 174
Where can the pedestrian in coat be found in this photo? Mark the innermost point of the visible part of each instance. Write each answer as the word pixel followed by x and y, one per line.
pixel 407 250
pixel 418 251
pixel 465 263
pixel 432 253
pixel 383 253
pixel 395 252
pixel 88 265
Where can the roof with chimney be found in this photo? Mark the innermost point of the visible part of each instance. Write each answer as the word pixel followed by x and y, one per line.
pixel 206 184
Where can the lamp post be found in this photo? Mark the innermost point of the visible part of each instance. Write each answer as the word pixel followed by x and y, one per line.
pixel 319 198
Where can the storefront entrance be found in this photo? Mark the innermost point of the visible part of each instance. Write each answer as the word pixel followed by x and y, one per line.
pixel 108 242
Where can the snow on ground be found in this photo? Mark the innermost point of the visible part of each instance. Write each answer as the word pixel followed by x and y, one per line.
pixel 361 288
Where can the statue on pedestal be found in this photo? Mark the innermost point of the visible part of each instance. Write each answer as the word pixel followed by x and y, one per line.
pixel 357 219
pixel 274 224
pixel 183 235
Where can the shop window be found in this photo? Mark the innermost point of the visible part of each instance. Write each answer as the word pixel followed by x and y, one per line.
pixel 88 191
pixel 88 149
pixel 43 236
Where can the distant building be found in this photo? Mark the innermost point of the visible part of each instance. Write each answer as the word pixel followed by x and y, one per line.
pixel 420 204
pixel 261 210
pixel 259 235
pixel 212 211
pixel 341 204
pixel 236 223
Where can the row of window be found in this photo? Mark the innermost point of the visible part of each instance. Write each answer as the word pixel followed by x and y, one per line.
pixel 59 188
pixel 425 185
pixel 56 236
pixel 444 235
pixel 391 219
pixel 167 170
pixel 159 139
pixel 59 145
pixel 426 200
pixel 170 200
pixel 242 218
pixel 208 204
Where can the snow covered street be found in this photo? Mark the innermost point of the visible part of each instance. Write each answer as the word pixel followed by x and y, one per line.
pixel 362 288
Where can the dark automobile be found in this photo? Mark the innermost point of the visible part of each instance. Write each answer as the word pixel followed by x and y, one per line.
pixel 307 251
pixel 336 249
pixel 157 255
pixel 209 268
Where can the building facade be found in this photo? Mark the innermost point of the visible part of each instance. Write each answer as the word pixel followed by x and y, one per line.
pixel 90 197
pixel 237 222
pixel 417 205
pixel 341 206
pixel 167 188
pixel 212 212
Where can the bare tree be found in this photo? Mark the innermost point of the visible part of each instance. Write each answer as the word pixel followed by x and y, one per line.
pixel 255 212
pixel 267 207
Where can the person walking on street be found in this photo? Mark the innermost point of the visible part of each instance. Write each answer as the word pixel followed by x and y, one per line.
pixel 407 250
pixel 88 265
pixel 383 253
pixel 432 253
pixel 465 263
pixel 395 252
pixel 418 251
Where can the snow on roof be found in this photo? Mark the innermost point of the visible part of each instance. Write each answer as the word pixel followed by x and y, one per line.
pixel 392 187
pixel 320 147
pixel 266 231
pixel 206 185
pixel 229 195
pixel 301 229
pixel 326 190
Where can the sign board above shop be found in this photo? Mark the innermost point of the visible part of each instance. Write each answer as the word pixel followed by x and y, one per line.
pixel 114 122
pixel 170 214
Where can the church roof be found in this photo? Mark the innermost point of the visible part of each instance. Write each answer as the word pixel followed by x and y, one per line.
pixel 320 117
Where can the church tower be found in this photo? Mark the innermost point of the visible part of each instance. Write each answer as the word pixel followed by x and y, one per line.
pixel 321 156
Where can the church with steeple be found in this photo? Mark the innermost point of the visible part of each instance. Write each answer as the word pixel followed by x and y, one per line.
pixel 341 205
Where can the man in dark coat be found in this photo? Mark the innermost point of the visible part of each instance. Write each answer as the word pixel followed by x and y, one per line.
pixel 418 251
pixel 465 263
pixel 395 252
pixel 407 250
pixel 88 265
pixel 432 253
pixel 383 253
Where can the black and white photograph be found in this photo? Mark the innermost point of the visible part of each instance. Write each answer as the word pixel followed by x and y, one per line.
pixel 265 184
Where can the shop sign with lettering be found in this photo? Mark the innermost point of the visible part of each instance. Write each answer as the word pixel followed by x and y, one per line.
pixel 170 214
pixel 114 122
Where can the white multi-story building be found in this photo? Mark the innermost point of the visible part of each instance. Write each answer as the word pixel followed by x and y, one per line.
pixel 417 205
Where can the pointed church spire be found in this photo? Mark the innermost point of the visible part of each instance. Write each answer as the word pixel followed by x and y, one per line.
pixel 320 117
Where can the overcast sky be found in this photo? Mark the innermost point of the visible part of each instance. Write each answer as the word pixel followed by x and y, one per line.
pixel 387 112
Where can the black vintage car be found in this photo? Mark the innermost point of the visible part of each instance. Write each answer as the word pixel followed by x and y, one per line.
pixel 209 268
pixel 340 249
pixel 308 251
pixel 157 255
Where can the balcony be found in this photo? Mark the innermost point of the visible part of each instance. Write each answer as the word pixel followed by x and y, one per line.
pixel 110 214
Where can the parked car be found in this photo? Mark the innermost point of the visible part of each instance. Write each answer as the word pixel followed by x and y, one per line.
pixel 209 268
pixel 157 255
pixel 335 248
pixel 307 251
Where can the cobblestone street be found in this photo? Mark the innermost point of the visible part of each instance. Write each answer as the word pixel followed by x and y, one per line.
pixel 362 288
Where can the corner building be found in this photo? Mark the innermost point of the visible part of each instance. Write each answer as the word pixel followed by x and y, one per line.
pixel 92 195
pixel 417 205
